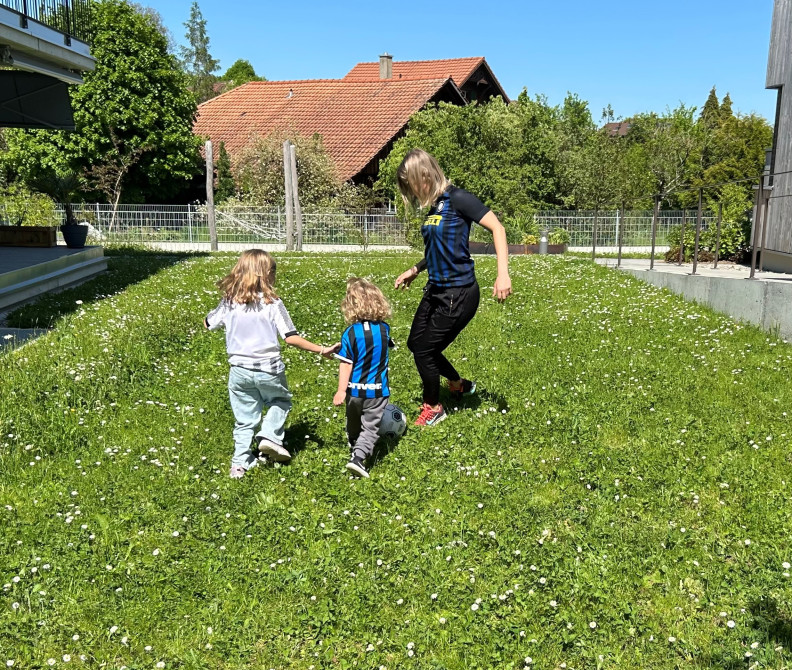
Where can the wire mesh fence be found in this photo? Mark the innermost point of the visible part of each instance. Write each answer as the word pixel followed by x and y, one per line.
pixel 635 227
pixel 188 225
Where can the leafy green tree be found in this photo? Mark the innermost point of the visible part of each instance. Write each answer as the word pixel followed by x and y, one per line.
pixel 505 154
pixel 198 62
pixel 258 171
pixel 133 117
pixel 669 147
pixel 241 72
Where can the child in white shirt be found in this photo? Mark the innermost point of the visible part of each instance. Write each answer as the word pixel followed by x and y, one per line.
pixel 253 317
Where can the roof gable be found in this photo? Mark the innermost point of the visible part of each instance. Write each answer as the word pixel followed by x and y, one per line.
pixel 459 69
pixel 356 119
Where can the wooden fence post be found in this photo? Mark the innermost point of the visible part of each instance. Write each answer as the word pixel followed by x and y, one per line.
pixel 210 206
pixel 287 184
pixel 296 197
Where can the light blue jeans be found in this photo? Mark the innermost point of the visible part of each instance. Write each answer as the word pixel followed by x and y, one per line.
pixel 250 391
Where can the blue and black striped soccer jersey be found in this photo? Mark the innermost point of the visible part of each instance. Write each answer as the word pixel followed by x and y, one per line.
pixel 446 232
pixel 365 345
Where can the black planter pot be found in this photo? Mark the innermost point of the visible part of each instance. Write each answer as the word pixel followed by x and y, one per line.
pixel 74 236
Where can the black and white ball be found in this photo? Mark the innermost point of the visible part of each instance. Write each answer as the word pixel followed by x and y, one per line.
pixel 393 422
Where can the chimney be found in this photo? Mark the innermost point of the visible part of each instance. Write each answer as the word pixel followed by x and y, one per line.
pixel 386 66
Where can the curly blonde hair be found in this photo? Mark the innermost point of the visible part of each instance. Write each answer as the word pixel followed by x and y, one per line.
pixel 252 279
pixel 421 179
pixel 364 302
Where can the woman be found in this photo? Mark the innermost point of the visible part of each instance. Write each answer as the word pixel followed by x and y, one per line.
pixel 451 296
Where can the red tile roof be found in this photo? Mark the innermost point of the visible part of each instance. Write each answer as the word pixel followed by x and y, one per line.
pixel 356 118
pixel 459 69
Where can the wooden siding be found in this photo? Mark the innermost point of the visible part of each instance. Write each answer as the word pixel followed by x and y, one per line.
pixel 778 62
pixel 779 75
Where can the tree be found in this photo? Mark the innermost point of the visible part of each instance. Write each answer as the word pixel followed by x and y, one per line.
pixel 259 170
pixel 670 149
pixel 710 113
pixel 241 72
pixel 224 181
pixel 726 109
pixel 198 62
pixel 505 154
pixel 134 113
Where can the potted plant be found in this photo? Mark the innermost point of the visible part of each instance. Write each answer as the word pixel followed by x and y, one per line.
pixel 62 187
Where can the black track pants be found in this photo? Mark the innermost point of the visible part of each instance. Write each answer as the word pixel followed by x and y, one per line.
pixel 441 316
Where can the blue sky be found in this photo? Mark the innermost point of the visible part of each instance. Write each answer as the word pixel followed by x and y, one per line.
pixel 639 56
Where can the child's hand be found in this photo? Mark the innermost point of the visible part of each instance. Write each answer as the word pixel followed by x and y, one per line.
pixel 329 351
pixel 339 398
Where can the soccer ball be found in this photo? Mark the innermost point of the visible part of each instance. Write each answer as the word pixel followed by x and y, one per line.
pixel 393 423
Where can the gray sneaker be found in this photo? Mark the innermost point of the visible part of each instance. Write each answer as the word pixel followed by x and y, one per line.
pixel 357 466
pixel 275 451
pixel 237 472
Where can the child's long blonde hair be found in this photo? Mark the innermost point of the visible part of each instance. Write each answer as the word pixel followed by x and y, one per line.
pixel 251 280
pixel 421 179
pixel 364 302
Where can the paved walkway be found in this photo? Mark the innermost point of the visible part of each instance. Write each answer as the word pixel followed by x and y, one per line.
pixel 724 269
pixel 12 337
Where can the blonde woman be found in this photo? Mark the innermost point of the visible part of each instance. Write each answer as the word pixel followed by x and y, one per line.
pixel 253 317
pixel 363 373
pixel 451 296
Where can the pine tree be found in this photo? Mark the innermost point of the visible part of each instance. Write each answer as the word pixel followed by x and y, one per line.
pixel 710 114
pixel 197 60
pixel 726 112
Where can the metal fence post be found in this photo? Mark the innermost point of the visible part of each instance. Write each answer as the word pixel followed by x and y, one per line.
pixel 682 238
pixel 717 235
pixel 594 236
pixel 189 223
pixel 698 229
pixel 620 236
pixel 655 215
pixel 767 193
pixel 757 224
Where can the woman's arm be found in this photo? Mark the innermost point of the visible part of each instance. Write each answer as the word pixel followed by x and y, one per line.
pixel 502 288
pixel 344 372
pixel 406 278
pixel 305 345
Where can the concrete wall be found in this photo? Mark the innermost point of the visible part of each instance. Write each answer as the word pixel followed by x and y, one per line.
pixel 767 304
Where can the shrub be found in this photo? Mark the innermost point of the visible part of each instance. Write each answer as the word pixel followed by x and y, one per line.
pixel 559 236
pixel 20 206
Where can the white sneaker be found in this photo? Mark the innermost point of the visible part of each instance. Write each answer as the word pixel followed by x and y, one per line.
pixel 275 451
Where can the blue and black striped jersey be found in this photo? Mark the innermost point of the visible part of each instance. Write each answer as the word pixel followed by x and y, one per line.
pixel 446 232
pixel 365 345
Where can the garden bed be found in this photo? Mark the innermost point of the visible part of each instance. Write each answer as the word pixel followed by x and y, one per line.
pixel 28 236
pixel 516 249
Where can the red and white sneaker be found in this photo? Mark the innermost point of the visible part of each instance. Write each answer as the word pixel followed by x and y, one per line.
pixel 430 416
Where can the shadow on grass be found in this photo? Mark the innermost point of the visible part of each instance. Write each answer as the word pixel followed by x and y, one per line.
pixel 125 266
pixel 770 620
pixel 482 397
pixel 302 435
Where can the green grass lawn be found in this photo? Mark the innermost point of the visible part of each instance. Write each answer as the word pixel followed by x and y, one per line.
pixel 617 496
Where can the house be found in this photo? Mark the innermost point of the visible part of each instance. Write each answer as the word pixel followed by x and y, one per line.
pixel 472 76
pixel 618 128
pixel 778 245
pixel 45 46
pixel 359 117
